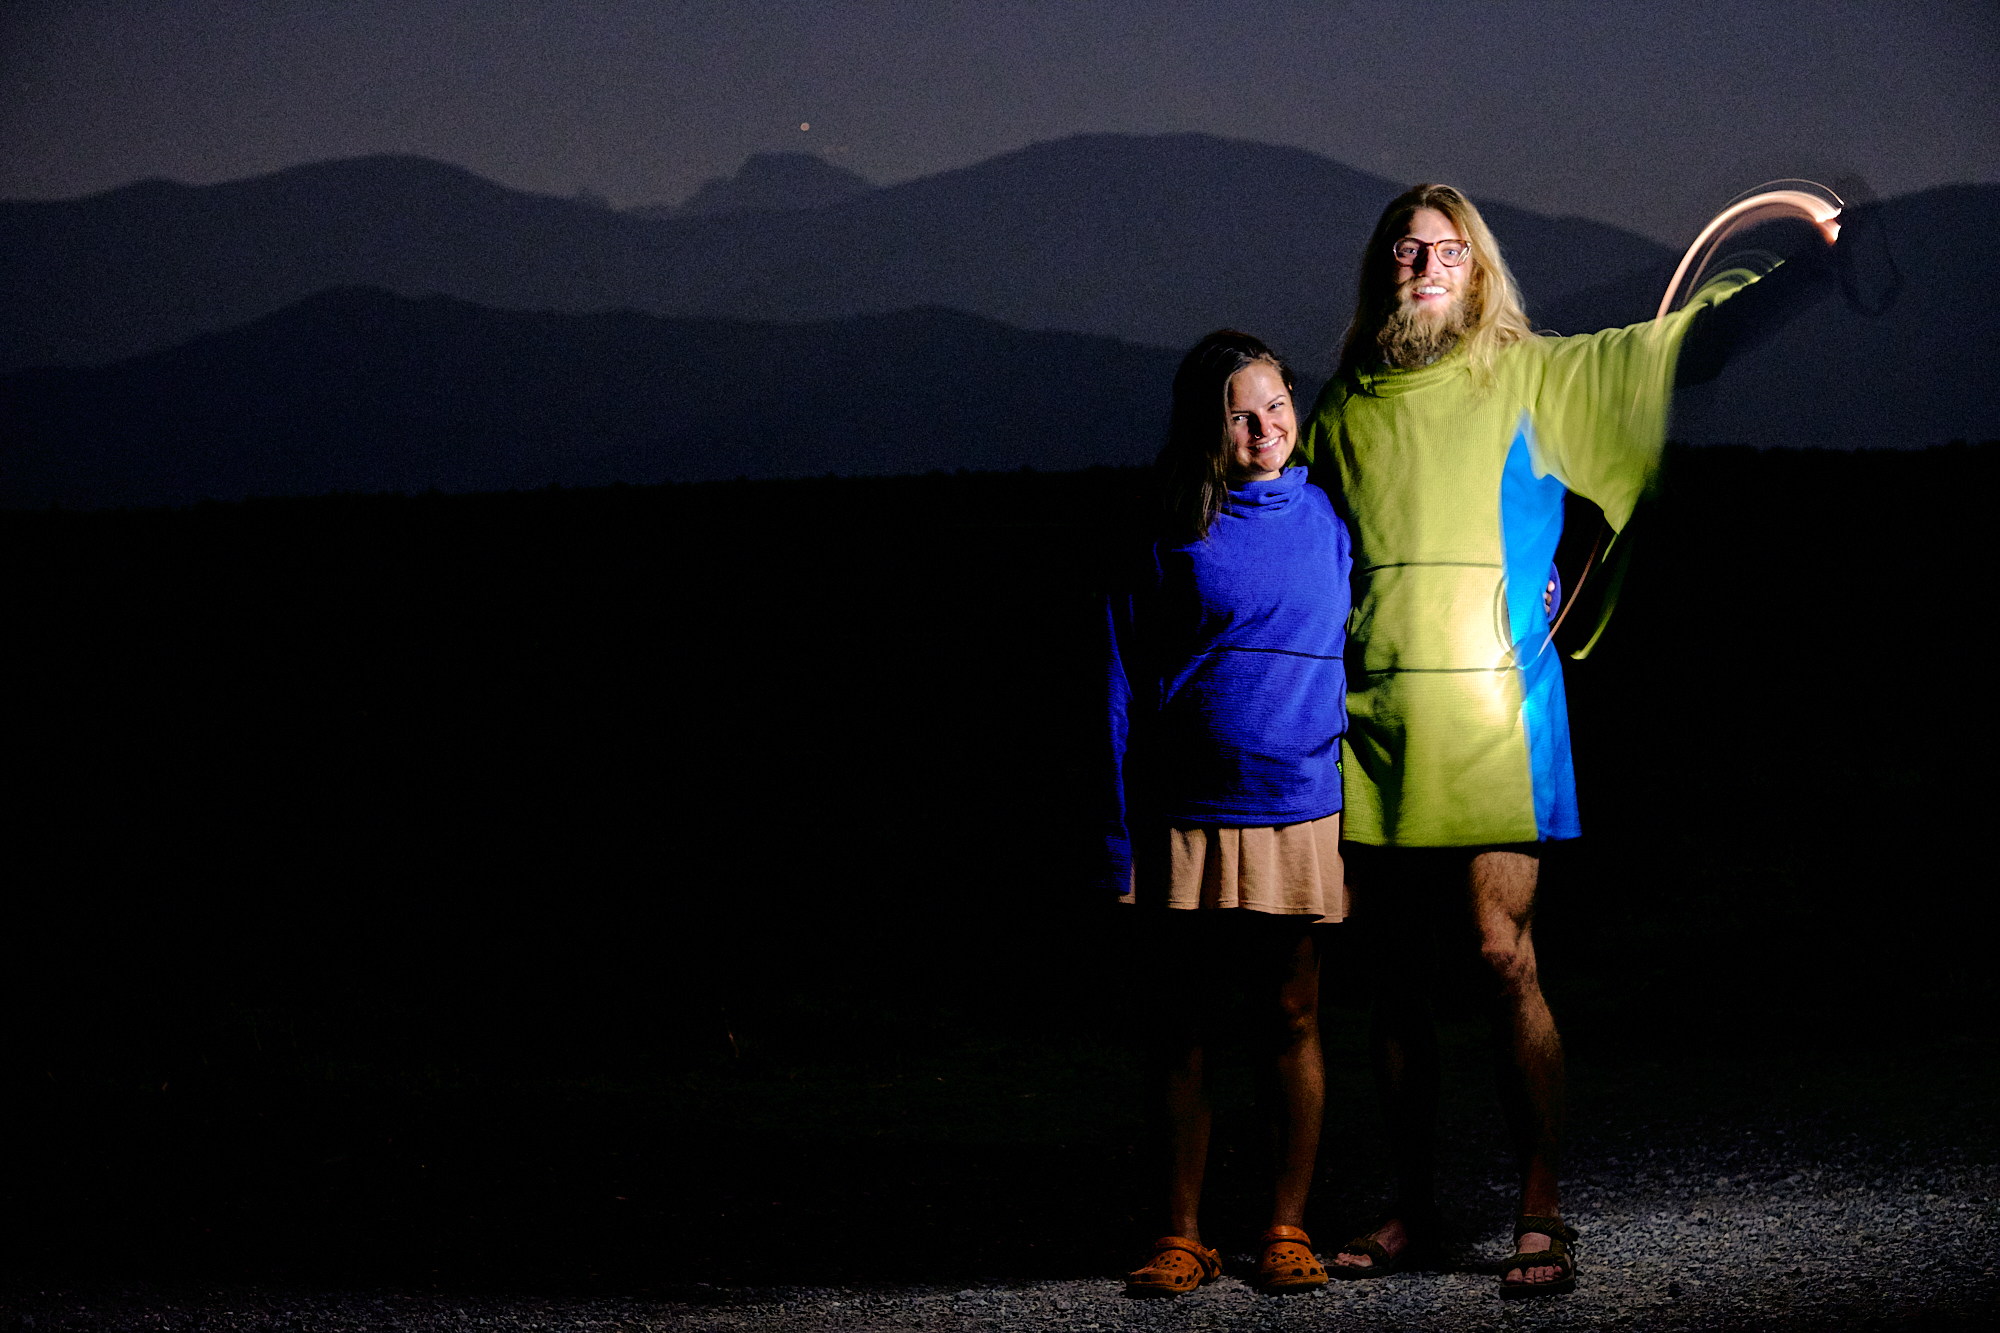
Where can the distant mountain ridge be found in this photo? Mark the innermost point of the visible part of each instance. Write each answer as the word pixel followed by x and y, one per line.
pixel 1152 240
pixel 804 341
pixel 361 390
pixel 767 183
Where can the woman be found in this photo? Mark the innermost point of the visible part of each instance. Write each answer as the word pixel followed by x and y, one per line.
pixel 1227 704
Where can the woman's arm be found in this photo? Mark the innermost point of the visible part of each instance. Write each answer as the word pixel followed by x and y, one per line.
pixel 1131 691
pixel 1116 871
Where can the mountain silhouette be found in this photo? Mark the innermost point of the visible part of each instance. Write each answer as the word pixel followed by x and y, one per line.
pixel 361 390
pixel 1153 240
pixel 767 183
pixel 1923 372
pixel 255 351
pixel 1920 373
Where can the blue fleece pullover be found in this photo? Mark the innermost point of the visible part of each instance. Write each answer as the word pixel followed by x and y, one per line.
pixel 1227 692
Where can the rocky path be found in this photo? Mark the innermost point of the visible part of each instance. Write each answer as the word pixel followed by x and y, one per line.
pixel 1833 1189
pixel 1816 1239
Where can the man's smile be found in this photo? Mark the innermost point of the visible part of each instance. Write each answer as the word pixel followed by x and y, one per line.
pixel 1429 298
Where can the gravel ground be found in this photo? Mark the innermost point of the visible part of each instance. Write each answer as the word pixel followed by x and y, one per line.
pixel 1820 1239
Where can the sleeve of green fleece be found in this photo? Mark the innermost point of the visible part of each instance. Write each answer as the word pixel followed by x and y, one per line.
pixel 1600 407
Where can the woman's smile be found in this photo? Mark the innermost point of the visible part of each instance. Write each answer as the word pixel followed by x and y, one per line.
pixel 1262 423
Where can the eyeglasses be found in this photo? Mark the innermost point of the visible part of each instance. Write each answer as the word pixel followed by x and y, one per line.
pixel 1450 253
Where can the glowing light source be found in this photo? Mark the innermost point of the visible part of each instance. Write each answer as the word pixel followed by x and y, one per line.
pixel 1773 199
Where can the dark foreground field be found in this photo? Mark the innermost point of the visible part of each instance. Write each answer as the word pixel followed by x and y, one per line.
pixel 662 907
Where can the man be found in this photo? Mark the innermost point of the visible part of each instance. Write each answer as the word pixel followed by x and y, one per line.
pixel 1447 438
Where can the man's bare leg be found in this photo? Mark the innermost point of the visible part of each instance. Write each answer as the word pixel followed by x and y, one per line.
pixel 1403 1048
pixel 1527 1052
pixel 1403 1042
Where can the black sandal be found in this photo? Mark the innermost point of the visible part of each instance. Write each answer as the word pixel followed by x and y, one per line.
pixel 1420 1245
pixel 1561 1237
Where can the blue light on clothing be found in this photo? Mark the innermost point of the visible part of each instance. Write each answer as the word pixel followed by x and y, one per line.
pixel 1531 516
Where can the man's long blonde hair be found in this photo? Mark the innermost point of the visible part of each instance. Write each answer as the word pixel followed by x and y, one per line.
pixel 1494 314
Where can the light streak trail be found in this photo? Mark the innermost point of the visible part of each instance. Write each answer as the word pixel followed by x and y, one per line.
pixel 1772 200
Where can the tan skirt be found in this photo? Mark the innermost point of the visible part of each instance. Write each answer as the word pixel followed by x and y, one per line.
pixel 1287 870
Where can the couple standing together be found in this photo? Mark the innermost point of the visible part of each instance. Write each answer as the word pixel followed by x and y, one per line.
pixel 1285 758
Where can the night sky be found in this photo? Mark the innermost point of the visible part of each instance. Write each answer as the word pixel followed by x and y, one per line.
pixel 1644 115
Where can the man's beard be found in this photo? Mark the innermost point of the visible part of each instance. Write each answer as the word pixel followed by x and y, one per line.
pixel 1408 339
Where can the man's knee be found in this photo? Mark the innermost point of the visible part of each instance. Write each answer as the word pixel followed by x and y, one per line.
pixel 1503 882
pixel 1509 955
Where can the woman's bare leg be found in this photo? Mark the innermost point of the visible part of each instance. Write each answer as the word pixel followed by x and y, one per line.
pixel 1187 1137
pixel 1300 1079
pixel 1180 973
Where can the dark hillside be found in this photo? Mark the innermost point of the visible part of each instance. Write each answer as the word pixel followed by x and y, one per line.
pixel 506 889
pixel 359 390
pixel 1920 373
pixel 1782 748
